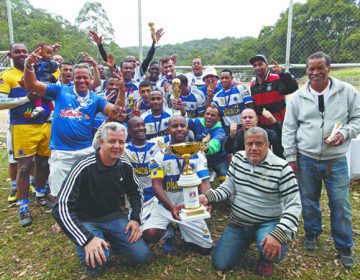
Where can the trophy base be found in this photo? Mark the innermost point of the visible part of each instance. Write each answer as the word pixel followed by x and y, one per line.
pixel 194 214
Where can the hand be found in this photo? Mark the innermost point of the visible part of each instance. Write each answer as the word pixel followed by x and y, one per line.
pixel 33 57
pixel 175 211
pixel 111 95
pixel 276 68
pixel 174 57
pixel 110 62
pixel 295 167
pixel 32 95
pixel 115 112
pixel 89 59
pixel 233 129
pixel 166 86
pixel 272 247
pixel 136 109
pixel 96 38
pixel 203 200
pixel 119 79
pixel 94 251
pixel 337 140
pixel 56 47
pixel 135 231
pixel 267 114
pixel 158 35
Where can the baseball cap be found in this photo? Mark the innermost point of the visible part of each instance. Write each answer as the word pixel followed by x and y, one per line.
pixel 258 57
pixel 209 71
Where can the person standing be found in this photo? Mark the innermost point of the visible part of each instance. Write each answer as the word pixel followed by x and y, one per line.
pixel 310 118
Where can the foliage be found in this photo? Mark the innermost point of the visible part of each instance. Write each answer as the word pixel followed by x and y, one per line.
pixel 93 16
pixel 333 28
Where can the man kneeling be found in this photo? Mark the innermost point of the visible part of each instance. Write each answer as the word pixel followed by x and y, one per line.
pixel 265 205
pixel 88 207
pixel 165 173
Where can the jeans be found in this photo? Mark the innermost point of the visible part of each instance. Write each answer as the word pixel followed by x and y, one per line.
pixel 113 231
pixel 335 175
pixel 235 240
pixel 220 169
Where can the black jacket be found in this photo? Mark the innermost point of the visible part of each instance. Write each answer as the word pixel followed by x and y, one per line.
pixel 92 192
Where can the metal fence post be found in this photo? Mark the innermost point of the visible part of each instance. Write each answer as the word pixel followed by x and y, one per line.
pixel 288 37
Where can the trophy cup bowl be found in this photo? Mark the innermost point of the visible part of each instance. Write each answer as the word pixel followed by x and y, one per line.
pixel 189 181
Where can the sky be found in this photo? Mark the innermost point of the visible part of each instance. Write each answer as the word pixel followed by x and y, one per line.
pixel 182 20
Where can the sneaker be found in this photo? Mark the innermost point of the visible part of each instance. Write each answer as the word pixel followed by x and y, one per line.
pixel 346 258
pixel 32 189
pixel 169 241
pixel 310 243
pixel 13 196
pixel 42 202
pixel 36 112
pixel 25 219
pixel 265 269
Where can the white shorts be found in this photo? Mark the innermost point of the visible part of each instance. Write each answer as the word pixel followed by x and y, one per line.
pixel 60 163
pixel 9 145
pixel 195 231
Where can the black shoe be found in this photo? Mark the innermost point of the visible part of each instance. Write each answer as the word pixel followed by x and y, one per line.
pixel 310 243
pixel 346 258
pixel 25 219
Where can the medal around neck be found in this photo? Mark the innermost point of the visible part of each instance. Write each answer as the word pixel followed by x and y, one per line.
pixel 189 181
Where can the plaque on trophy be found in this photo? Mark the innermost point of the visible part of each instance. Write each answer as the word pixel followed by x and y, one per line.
pixel 189 181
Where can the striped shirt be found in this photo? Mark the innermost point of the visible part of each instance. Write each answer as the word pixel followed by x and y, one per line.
pixel 264 192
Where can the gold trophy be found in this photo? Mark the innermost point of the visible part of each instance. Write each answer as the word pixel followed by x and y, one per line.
pixel 188 180
pixel 153 33
pixel 337 126
pixel 176 93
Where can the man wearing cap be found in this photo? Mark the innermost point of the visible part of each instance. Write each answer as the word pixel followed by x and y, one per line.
pixel 269 88
pixel 212 85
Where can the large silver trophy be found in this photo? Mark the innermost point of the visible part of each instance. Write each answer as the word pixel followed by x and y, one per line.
pixel 189 181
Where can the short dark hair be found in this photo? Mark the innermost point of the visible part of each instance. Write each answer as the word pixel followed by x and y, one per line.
pixel 226 70
pixel 145 83
pixel 66 63
pixel 153 62
pixel 13 44
pixel 165 59
pixel 214 106
pixel 40 44
pixel 319 55
pixel 183 79
pixel 125 61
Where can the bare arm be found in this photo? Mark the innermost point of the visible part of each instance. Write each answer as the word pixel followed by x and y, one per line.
pixel 96 79
pixel 31 83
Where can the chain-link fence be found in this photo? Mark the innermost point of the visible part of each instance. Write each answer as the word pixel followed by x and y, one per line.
pixel 333 28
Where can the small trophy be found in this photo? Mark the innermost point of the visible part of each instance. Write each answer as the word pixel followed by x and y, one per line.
pixel 153 33
pixel 336 129
pixel 176 93
pixel 188 180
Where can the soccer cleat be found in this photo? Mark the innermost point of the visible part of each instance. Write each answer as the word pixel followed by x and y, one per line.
pixel 13 196
pixel 32 189
pixel 310 243
pixel 346 258
pixel 25 219
pixel 42 202
pixel 265 269
pixel 36 112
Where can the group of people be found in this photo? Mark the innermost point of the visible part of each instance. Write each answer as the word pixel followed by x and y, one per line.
pixel 91 143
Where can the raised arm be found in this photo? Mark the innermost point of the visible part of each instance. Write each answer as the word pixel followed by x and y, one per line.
pixel 31 83
pixel 96 79
pixel 145 64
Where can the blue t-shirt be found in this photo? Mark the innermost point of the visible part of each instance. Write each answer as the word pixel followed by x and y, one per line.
pixel 72 121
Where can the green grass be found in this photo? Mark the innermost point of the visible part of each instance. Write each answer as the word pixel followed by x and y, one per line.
pixel 345 72
pixel 35 253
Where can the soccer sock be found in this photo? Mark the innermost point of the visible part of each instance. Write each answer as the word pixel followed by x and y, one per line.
pixel 32 181
pixel 40 192
pixel 23 205
pixel 13 185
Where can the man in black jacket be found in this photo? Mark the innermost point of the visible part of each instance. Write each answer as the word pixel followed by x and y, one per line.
pixel 88 207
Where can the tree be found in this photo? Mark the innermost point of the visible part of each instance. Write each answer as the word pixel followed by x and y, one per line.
pixel 93 16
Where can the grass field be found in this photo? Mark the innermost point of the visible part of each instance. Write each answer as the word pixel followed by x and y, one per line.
pixel 36 253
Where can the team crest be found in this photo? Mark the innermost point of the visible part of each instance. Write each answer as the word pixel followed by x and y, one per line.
pixel 222 101
pixel 151 128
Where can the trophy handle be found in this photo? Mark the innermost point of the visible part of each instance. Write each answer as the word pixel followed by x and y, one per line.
pixel 204 142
